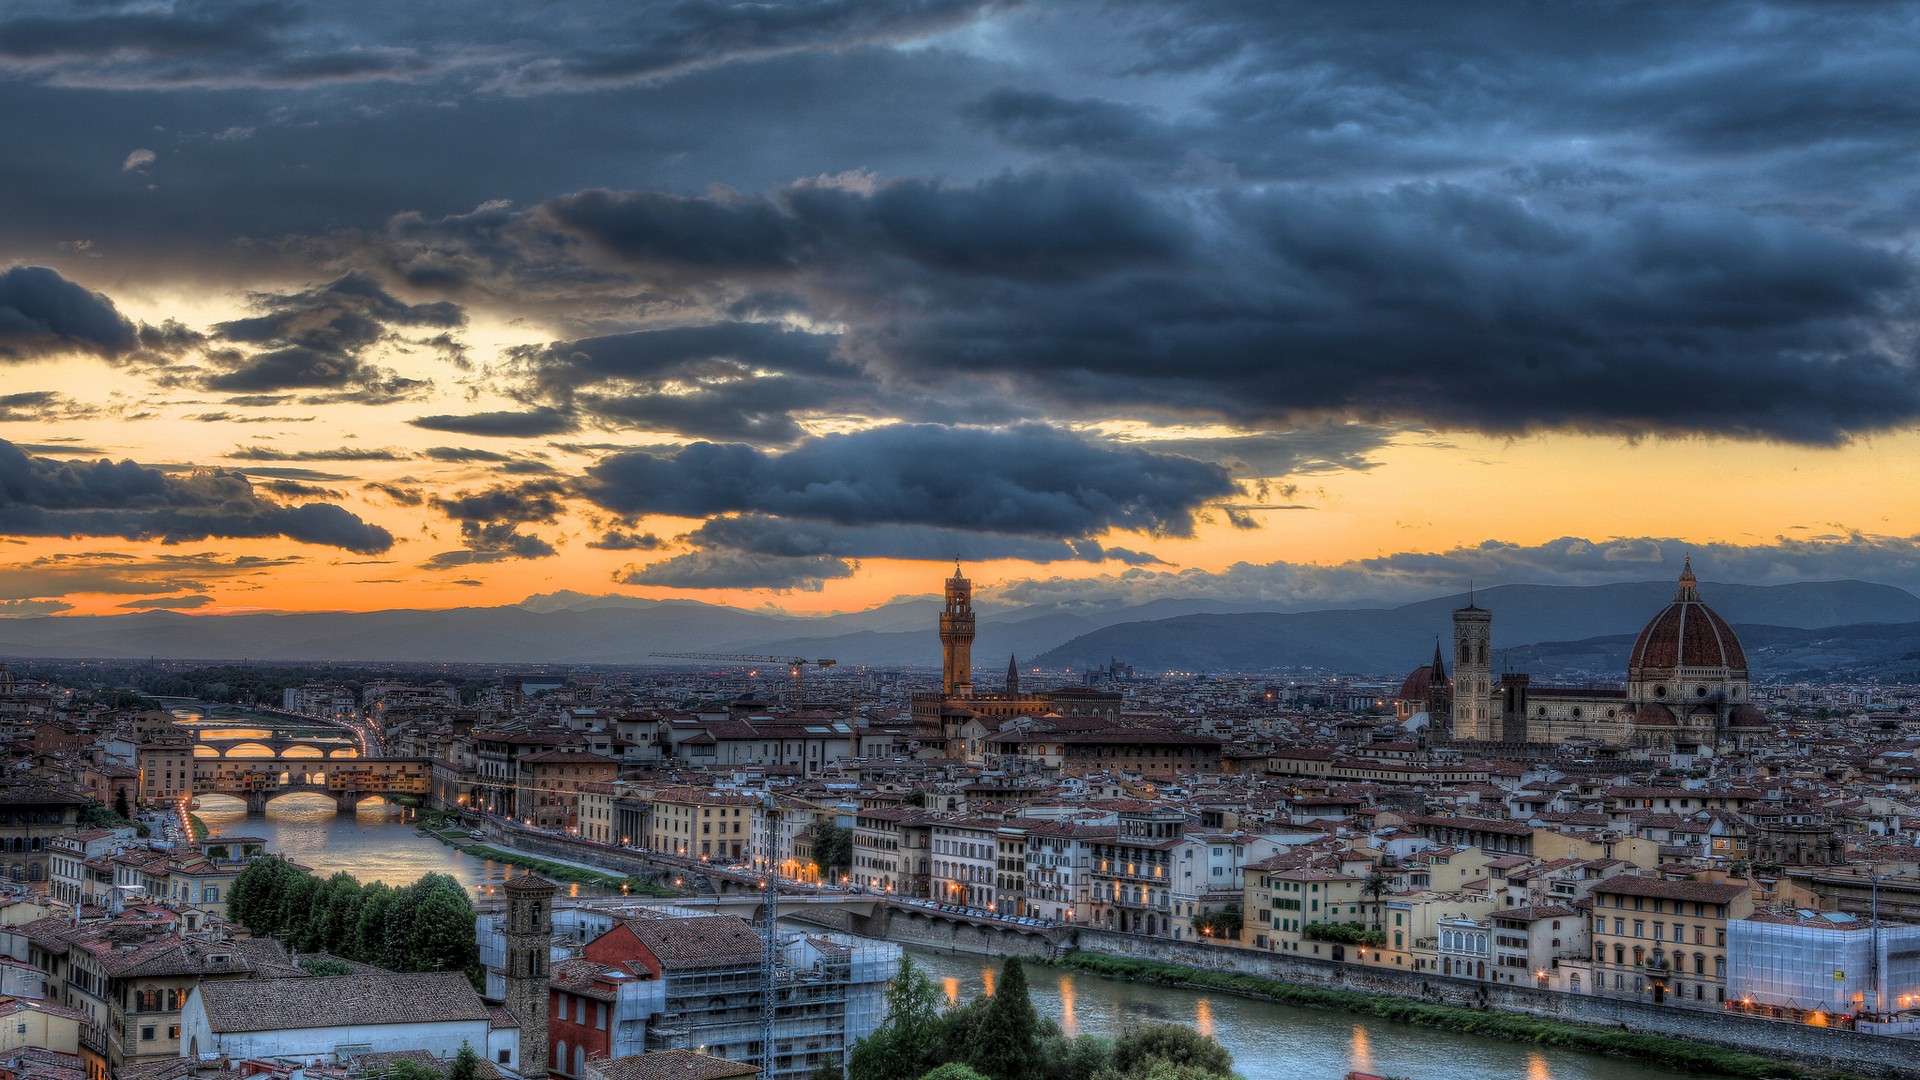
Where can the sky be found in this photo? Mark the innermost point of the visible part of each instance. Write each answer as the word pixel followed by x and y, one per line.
pixel 352 305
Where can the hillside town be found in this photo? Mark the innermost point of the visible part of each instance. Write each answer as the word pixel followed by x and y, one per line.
pixel 1693 837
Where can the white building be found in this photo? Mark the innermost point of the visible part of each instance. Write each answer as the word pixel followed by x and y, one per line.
pixel 1804 962
pixel 436 1011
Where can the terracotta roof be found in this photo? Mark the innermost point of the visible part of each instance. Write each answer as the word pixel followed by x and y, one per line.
pixel 705 942
pixel 1702 891
pixel 428 997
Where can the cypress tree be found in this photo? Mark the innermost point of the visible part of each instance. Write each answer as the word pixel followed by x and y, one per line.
pixel 1003 1047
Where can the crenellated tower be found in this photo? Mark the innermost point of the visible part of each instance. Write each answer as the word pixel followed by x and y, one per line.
pixel 956 637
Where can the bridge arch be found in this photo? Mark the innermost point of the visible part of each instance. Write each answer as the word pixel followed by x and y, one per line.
pixel 344 752
pixel 254 749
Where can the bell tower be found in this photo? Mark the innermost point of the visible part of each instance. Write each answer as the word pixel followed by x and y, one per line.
pixel 529 945
pixel 956 637
pixel 1472 672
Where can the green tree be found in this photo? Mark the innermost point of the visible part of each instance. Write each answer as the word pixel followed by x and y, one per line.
pixel 368 943
pixel 296 909
pixel 120 803
pixel 337 915
pixel 1136 1051
pixel 1376 887
pixel 832 848
pixel 1162 1069
pixel 465 1064
pixel 1222 924
pixel 441 936
pixel 953 1070
pixel 906 1042
pixel 1082 1058
pixel 259 892
pixel 1003 1048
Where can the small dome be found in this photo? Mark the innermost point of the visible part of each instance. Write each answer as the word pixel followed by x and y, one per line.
pixel 1686 634
pixel 1654 714
pixel 1748 716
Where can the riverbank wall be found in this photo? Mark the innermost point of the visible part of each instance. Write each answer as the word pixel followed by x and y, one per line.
pixel 1851 1052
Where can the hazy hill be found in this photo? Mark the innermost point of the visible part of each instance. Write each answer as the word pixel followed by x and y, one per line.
pixel 563 628
pixel 1399 638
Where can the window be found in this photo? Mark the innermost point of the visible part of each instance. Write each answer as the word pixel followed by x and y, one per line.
pixel 146 1033
pixel 506 1057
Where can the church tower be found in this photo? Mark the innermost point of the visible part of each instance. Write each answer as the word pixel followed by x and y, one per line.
pixel 956 637
pixel 1472 673
pixel 529 945
pixel 1013 676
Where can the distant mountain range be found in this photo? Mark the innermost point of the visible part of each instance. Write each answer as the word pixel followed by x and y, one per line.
pixel 1553 631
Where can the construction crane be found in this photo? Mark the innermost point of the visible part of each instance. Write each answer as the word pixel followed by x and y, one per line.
pixel 770 917
pixel 796 666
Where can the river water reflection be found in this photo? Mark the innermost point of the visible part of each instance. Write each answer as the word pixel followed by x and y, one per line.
pixel 374 844
pixel 1268 1041
pixel 1278 1041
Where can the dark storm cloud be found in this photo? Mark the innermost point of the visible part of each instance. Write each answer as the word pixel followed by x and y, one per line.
pixel 1443 304
pixel 662 41
pixel 43 497
pixel 616 540
pixel 564 48
pixel 317 339
pixel 43 405
pixel 344 453
pixel 730 380
pixel 170 603
pixel 70 573
pixel 1319 448
pixel 534 500
pixel 462 454
pixel 1028 480
pixel 1025 226
pixel 490 521
pixel 402 496
pixel 757 534
pixel 503 424
pixel 490 543
pixel 738 570
pixel 189 44
pixel 21 608
pixel 44 314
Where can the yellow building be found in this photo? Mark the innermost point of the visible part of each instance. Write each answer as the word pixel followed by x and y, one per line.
pixel 1664 941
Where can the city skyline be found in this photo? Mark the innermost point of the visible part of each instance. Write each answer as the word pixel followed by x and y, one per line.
pixel 793 306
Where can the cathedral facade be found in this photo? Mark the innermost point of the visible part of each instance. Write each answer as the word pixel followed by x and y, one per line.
pixel 1686 690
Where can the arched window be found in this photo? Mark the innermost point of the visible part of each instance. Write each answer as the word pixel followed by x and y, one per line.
pixel 560 1055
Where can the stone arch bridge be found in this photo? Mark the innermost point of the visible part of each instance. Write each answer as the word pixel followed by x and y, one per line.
pixel 260 780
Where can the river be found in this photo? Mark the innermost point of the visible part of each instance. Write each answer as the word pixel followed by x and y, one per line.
pixel 1270 1041
pixel 1267 1040
pixel 373 844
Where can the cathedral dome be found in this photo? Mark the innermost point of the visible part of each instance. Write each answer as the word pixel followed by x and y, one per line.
pixel 1747 716
pixel 1421 681
pixel 1686 634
